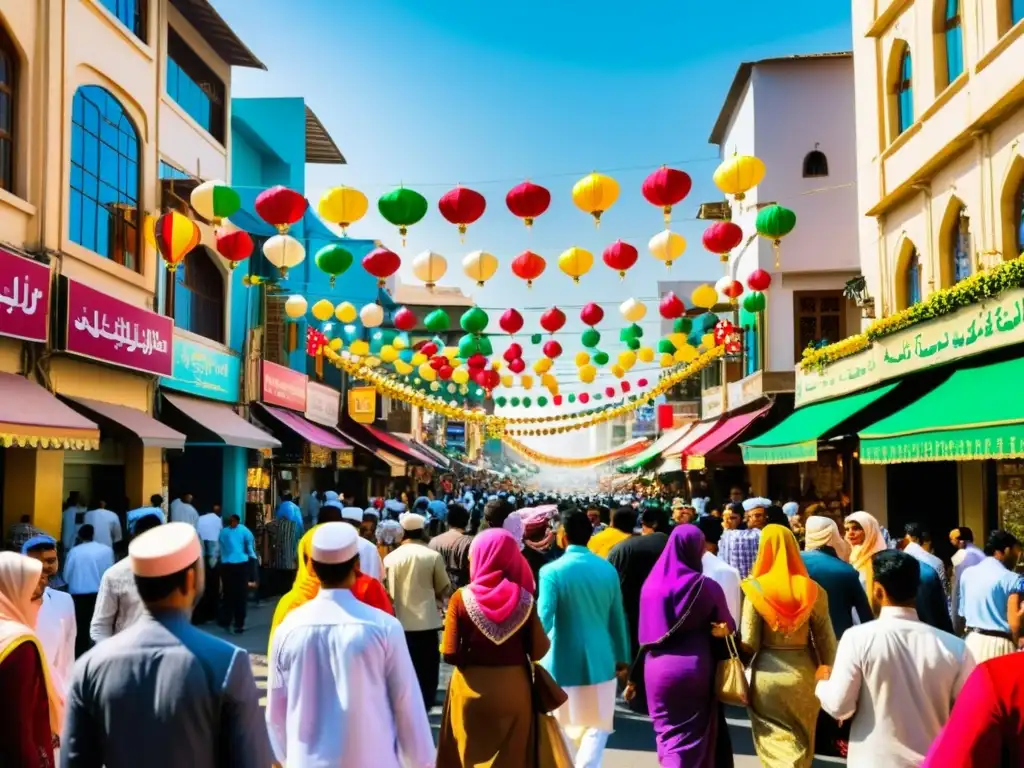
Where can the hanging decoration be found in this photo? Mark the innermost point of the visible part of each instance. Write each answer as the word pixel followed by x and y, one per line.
pixel 759 280
pixel 345 312
pixel 480 266
pixel 511 322
pixel 592 314
pixel 342 206
pixel 437 321
pixel 590 338
pixel 704 296
pixel 528 201
pixel 333 259
pixel 775 222
pixel 429 267
pixel 754 302
pixel 528 266
pixel 176 235
pixel 402 208
pixel 281 207
pixel 730 288
pixel 667 246
pixel 721 237
pixel 552 320
pixel 404 319
pixel 738 175
pixel 284 252
pixel 620 256
pixel 215 201
pixel 666 187
pixel 552 349
pixel 462 206
pixel 632 311
pixel 576 262
pixel 595 194
pixel 295 306
pixel 671 306
pixel 382 264
pixel 371 315
pixel 236 246
pixel 323 310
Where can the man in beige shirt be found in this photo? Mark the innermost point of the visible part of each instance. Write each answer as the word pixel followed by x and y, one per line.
pixel 417 579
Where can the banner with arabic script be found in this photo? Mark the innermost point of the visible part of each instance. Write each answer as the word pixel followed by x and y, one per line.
pixel 112 331
pixel 24 297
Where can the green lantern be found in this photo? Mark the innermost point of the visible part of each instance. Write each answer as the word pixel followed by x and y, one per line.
pixel 682 325
pixel 600 358
pixel 633 344
pixel 527 402
pixel 403 208
pixel 537 338
pixel 473 320
pixel 666 347
pixel 754 301
pixel 598 396
pixel 470 345
pixel 501 401
pixel 775 222
pixel 590 338
pixel 437 321
pixel 333 260
pixel 514 402
pixel 571 398
pixel 542 401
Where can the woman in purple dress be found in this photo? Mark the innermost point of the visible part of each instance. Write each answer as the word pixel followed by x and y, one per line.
pixel 680 672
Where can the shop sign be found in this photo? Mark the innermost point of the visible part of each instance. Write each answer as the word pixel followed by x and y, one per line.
pixel 25 296
pixel 112 331
pixel 711 402
pixel 344 459
pixel 204 371
pixel 362 405
pixel 283 386
pixel 323 404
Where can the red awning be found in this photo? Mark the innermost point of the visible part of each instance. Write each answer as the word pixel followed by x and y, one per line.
pixel 723 435
pixel 30 417
pixel 151 432
pixel 307 430
pixel 400 447
pixel 222 421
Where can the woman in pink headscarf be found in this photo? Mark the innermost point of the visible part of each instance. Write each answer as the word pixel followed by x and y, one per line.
pixel 491 635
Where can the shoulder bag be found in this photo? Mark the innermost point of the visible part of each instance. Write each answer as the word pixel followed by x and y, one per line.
pixel 730 678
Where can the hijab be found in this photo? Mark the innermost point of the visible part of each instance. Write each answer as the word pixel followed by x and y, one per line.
pixel 19 577
pixel 823 532
pixel 673 584
pixel 874 542
pixel 305 587
pixel 778 586
pixel 499 597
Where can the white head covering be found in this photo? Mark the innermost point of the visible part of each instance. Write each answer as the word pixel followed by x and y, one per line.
pixel 790 508
pixel 389 532
pixel 756 503
pixel 354 514
pixel 514 525
pixel 331 499
pixel 410 521
pixel 823 532
pixel 372 511
pixel 164 550
pixel 334 543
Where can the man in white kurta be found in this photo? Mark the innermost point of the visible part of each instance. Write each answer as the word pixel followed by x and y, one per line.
pixel 55 624
pixel 342 690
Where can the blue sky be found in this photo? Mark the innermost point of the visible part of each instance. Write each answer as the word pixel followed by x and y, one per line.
pixel 486 94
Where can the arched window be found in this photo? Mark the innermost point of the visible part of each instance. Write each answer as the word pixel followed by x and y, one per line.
pixel 912 287
pixel 131 13
pixel 104 213
pixel 953 35
pixel 196 295
pixel 904 94
pixel 815 163
pixel 8 82
pixel 960 247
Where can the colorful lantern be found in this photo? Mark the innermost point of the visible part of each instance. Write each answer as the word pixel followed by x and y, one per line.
pixel 528 201
pixel 402 207
pixel 723 328
pixel 437 321
pixel 552 349
pixel 382 264
pixel 576 262
pixel 704 296
pixel 176 235
pixel 667 246
pixel 511 322
pixel 371 315
pixel 514 352
pixel 479 266
pixel 774 223
pixel 215 201
pixel 582 358
pixel 235 246
pixel 333 260
pixel 590 338
pixel 730 288
pixel 738 175
pixel 754 302
pixel 595 194
pixel 517 365
pixel 281 207
pixel 323 310
pixel 552 320
pixel 759 280
pixel 671 306
pixel 295 306
pixel 620 256
pixel 284 252
pixel 462 206
pixel 666 187
pixel 474 320
pixel 632 311
pixel 345 312
pixel 404 319
pixel 584 397
pixel 429 267
pixel 587 374
pixel 343 206
pixel 721 237
pixel 592 314
pixel 528 266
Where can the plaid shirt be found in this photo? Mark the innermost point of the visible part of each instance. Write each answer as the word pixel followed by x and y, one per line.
pixel 739 549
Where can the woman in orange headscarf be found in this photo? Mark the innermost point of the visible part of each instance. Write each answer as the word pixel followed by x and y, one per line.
pixel 786 626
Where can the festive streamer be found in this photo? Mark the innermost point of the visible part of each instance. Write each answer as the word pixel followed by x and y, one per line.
pixel 585 461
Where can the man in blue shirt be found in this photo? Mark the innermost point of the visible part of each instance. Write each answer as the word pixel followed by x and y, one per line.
pixel 989 599
pixel 237 555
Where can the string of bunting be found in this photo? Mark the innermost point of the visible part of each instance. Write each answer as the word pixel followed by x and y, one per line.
pixel 558 461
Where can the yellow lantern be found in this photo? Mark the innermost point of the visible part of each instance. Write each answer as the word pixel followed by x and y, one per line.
pixel 627 359
pixel 295 307
pixel 645 354
pixel 343 206
pixel 667 246
pixel 507 380
pixel 323 310
pixel 426 373
pixel 543 365
pixel 633 311
pixel 708 340
pixel 418 359
pixel 595 194
pixel 582 358
pixel 587 373
pixel 549 381
pixel 399 343
pixel 497 364
pixel 480 266
pixel 334 344
pixel 678 339
pixel 704 296
pixel 346 312
pixel 526 381
pixel 686 353
pixel 388 353
pixel 617 371
pixel 460 375
pixel 665 360
pixel 429 267
pixel 450 352
pixel 359 348
pixel 738 175
pixel 576 262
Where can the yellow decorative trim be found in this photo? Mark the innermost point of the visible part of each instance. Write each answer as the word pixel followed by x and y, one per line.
pixel 8 440
pixel 950 428
pixel 1004 42
pixel 557 461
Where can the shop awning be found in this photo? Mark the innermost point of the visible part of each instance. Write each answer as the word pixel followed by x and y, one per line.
pixel 395 464
pixel 796 438
pixel 30 417
pixel 439 457
pixel 307 430
pixel 673 457
pixel 725 433
pixel 151 432
pixel 223 422
pixel 962 419
pixel 400 447
pixel 655 449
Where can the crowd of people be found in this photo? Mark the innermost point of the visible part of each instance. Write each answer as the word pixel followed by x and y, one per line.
pixel 550 611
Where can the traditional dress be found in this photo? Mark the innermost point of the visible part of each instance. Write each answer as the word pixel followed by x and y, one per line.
pixel 680 672
pixel 634 559
pixel 491 635
pixel 874 542
pixel 786 625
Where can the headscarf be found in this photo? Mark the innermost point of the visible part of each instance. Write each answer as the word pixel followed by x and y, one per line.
pixel 514 525
pixel 19 577
pixel 823 532
pixel 778 586
pixel 874 542
pixel 673 583
pixel 389 533
pixel 535 520
pixel 289 510
pixel 306 585
pixel 791 508
pixel 499 597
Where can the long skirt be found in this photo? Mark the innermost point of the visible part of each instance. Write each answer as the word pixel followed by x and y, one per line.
pixel 488 719
pixel 783 708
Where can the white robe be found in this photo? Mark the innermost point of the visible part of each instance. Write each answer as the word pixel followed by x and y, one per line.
pixel 56 630
pixel 342 690
pixel 183 512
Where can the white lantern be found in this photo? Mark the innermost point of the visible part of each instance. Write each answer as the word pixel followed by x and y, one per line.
pixel 295 307
pixel 203 200
pixel 632 311
pixel 480 266
pixel 721 286
pixel 667 246
pixel 284 252
pixel 371 315
pixel 429 267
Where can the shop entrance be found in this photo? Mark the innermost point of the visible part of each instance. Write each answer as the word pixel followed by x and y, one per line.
pixel 927 493
pixel 198 470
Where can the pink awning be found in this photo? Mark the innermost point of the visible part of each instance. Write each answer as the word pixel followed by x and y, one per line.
pixel 30 417
pixel 400 446
pixel 151 432
pixel 307 430
pixel 221 420
pixel 724 433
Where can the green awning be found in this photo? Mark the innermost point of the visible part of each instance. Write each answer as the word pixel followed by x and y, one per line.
pixel 796 438
pixel 655 449
pixel 969 417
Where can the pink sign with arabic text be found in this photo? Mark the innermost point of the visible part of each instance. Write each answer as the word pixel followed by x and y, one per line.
pixel 284 387
pixel 24 297
pixel 113 331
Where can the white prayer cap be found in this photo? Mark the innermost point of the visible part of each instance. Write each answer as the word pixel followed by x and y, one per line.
pixel 335 543
pixel 331 499
pixel 372 511
pixel 790 508
pixel 758 503
pixel 410 521
pixel 352 513
pixel 164 550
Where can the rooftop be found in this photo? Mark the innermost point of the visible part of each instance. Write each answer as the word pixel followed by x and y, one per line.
pixel 216 32
pixel 421 296
pixel 320 147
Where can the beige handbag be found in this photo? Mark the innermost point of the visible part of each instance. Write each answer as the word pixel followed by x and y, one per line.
pixel 730 680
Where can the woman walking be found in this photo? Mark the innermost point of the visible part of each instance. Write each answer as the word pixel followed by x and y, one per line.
pixel 680 672
pixel 786 626
pixel 491 636
pixel 864 535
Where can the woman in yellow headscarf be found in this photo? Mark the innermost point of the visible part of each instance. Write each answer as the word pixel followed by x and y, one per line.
pixel 786 626
pixel 866 540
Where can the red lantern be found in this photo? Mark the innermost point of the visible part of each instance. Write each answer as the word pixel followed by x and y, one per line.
pixel 528 201
pixel 511 322
pixel 429 349
pixel 592 314
pixel 552 349
pixel 477 361
pixel 609 391
pixel 666 417
pixel 557 400
pixel 734 343
pixel 281 207
pixel 382 264
pixel 642 383
pixel 489 379
pixel 666 187
pixel 721 237
pixel 584 398
pixel 625 386
pixel 620 256
pixel 723 328
pixel 445 372
pixel 404 319
pixel 315 342
pixel 733 290
pixel 514 352
pixel 438 361
pixel 552 320
pixel 759 280
pixel 462 206
pixel 234 246
pixel 517 365
pixel 528 266
pixel 671 306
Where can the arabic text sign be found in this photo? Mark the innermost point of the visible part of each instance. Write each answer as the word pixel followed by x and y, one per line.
pixel 113 331
pixel 283 386
pixel 362 405
pixel 24 297
pixel 322 404
pixel 204 371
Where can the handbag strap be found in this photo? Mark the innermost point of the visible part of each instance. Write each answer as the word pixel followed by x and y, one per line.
pixel 664 638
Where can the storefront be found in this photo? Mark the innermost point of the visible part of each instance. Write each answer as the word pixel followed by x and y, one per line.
pixel 713 460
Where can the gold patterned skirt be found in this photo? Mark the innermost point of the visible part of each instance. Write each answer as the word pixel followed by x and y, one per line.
pixel 783 707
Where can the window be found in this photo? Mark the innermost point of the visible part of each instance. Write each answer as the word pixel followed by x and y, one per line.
pixel 819 318
pixel 194 87
pixel 904 94
pixel 751 342
pixel 1018 219
pixel 960 247
pixel 8 81
pixel 131 13
pixel 104 214
pixel 912 278
pixel 195 295
pixel 815 164
pixel 952 31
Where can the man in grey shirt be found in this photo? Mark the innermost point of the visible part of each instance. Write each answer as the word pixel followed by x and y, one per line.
pixel 162 693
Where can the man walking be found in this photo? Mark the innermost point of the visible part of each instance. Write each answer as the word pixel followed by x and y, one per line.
pixel 738 547
pixel 634 559
pixel 118 604
pixel 237 559
pixel 990 599
pixel 453 546
pixel 84 568
pixel 56 625
pixel 209 527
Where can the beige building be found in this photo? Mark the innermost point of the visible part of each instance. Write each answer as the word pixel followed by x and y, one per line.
pixel 101 103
